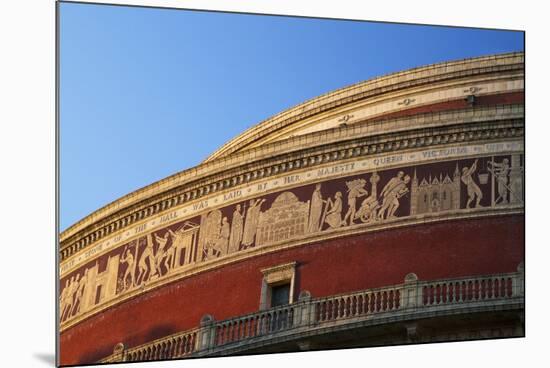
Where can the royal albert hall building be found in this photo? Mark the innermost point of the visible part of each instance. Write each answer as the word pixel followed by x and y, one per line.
pixel 387 212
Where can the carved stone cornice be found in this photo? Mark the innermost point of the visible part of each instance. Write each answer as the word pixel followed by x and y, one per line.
pixel 429 74
pixel 462 74
pixel 360 139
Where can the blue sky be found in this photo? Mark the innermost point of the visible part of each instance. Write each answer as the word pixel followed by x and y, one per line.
pixel 145 93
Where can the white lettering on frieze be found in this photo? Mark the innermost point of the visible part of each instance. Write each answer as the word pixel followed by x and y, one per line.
pixel 168 217
pixel 232 195
pixel 140 228
pixel 389 160
pixel 446 152
pixel 291 179
pixel 200 206
pixel 338 169
pixel 254 190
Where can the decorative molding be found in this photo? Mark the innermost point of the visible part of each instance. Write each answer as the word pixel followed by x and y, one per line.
pixel 497 65
pixel 345 118
pixel 301 160
pixel 377 86
pixel 370 162
pixel 407 101
pixel 473 90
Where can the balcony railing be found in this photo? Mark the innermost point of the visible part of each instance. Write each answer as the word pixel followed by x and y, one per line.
pixel 413 297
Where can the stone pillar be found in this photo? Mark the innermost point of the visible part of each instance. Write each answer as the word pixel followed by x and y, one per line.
pixel 207 333
pixel 411 294
pixel 119 353
pixel 518 283
pixel 305 309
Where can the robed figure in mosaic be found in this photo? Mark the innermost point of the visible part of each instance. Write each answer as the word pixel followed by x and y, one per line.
pixel 316 210
pixel 236 230
pixel 334 215
pixel 251 222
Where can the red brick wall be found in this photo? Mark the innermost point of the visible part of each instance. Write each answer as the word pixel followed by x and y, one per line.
pixel 444 250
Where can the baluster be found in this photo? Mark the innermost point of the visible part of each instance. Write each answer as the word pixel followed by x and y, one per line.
pixel 397 302
pixel 345 309
pixel 225 333
pixel 359 305
pixel 258 326
pixel 181 345
pixel 372 303
pixel 251 327
pixel 429 294
pixel 454 299
pixel 479 289
pixel 272 320
pixel 248 328
pixel 186 344
pixel 277 316
pixel 345 305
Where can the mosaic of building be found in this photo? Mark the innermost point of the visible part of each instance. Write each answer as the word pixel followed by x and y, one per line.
pixel 334 194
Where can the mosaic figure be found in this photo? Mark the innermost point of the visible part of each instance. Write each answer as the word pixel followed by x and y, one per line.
pixel 392 192
pixel 333 216
pixel 161 253
pixel 316 209
pixel 236 230
pixel 130 272
pixel 474 192
pixel 356 189
pixel 222 242
pixel 147 255
pixel 79 293
pixel 501 171
pixel 251 222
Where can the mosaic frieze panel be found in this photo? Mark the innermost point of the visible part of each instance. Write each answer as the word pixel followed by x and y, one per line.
pixel 375 197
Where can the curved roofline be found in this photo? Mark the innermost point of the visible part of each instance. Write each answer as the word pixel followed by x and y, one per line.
pixel 263 129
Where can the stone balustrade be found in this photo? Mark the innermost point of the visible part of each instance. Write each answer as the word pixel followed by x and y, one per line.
pixel 407 300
